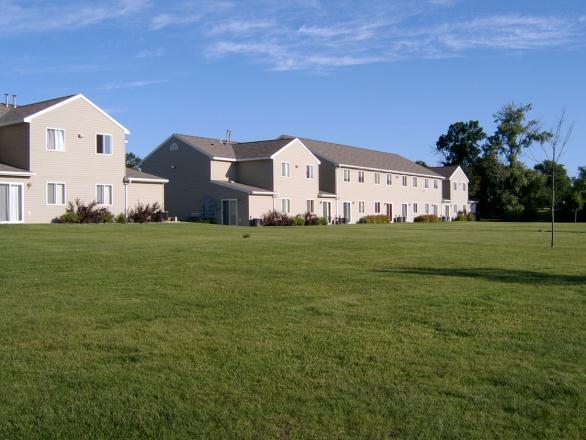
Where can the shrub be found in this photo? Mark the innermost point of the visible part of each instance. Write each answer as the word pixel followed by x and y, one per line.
pixel 299 220
pixel 311 219
pixel 77 212
pixel 276 218
pixel 146 213
pixel 461 217
pixel 374 219
pixel 323 221
pixel 471 217
pixel 247 235
pixel 121 218
pixel 426 218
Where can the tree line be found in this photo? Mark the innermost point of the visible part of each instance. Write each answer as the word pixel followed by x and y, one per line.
pixel 504 187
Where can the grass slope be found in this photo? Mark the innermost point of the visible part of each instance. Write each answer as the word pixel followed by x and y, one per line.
pixel 384 331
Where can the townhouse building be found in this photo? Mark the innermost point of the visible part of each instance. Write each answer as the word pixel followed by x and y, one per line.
pixel 236 182
pixel 55 151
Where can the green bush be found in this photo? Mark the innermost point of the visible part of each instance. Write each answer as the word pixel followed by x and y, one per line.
pixel 77 212
pixel 276 218
pixel 69 217
pixel 121 218
pixel 146 213
pixel 426 218
pixel 471 217
pixel 461 217
pixel 374 219
pixel 311 219
pixel 323 221
pixel 299 220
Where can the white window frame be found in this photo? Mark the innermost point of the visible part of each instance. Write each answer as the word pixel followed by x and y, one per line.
pixel 47 139
pixel 310 206
pixel 434 209
pixel 310 171
pixel 111 144
pixel 404 181
pixel 404 210
pixel 377 207
pixel 47 193
pixel 414 182
pixel 288 210
pixel 21 202
pixel 455 186
pixel 285 169
pixel 427 208
pixel 346 175
pixel 111 194
pixel 414 208
pixel 435 184
pixel 389 179
pixel 377 178
pixel 360 176
pixel 463 187
pixel 361 206
pixel 427 183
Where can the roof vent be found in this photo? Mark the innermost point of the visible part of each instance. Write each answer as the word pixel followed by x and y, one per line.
pixel 6 99
pixel 14 101
pixel 228 139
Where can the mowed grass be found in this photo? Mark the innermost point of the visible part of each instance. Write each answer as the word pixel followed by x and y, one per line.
pixel 457 330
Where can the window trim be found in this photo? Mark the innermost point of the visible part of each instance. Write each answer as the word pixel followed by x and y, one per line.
pixel 377 178
pixel 21 202
pixel 377 207
pixel 389 179
pixel 47 139
pixel 47 193
pixel 288 169
pixel 435 184
pixel 426 184
pixel 111 194
pixel 346 171
pixel 307 168
pixel 312 210
pixel 288 205
pixel 404 181
pixel 361 207
pixel 415 208
pixel 111 144
pixel 415 183
pixel 361 175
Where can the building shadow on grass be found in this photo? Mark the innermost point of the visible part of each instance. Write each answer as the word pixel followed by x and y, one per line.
pixel 495 274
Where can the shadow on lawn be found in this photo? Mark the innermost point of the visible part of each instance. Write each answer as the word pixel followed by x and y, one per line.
pixel 494 274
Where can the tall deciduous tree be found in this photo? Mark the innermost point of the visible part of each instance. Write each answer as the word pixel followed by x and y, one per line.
pixel 461 144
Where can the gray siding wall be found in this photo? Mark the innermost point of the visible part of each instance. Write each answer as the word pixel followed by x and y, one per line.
pixel 14 145
pixel 327 176
pixel 257 173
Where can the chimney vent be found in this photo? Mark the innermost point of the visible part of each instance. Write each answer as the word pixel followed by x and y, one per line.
pixel 6 99
pixel 14 101
pixel 228 136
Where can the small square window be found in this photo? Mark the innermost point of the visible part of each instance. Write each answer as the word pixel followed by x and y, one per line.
pixel 55 139
pixel 285 169
pixel 104 144
pixel 104 194
pixel 55 193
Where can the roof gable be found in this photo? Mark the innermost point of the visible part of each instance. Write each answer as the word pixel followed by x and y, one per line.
pixel 449 171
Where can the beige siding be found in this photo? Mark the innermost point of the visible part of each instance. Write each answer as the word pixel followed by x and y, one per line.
pixel 221 170
pixel 14 145
pixel 145 193
pixel 79 166
pixel 257 173
pixel 297 187
pixel 395 194
pixel 260 205
pixel 458 196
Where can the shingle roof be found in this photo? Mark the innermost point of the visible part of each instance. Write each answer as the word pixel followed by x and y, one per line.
pixel 444 171
pixel 242 187
pixel 10 169
pixel 363 157
pixel 132 173
pixel 9 115
pixel 235 150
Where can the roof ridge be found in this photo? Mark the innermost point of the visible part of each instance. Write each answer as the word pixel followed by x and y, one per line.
pixel 44 100
pixel 353 147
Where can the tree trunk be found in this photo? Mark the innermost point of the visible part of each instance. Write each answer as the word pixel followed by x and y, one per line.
pixel 552 200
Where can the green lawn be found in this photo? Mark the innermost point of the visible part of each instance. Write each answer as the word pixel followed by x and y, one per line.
pixel 461 330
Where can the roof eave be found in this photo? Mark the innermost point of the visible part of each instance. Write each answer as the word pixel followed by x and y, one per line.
pixel 146 180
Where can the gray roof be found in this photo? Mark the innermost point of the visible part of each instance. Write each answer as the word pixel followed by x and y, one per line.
pixel 131 172
pixel 363 157
pixel 11 169
pixel 235 150
pixel 242 187
pixel 9 115
pixel 445 171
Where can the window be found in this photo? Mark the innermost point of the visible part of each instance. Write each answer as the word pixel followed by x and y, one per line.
pixel 346 175
pixel 427 183
pixel 404 210
pixel 434 209
pixel 427 208
pixel 415 182
pixel 435 184
pixel 285 169
pixel 309 171
pixel 389 179
pixel 463 187
pixel 464 208
pixel 455 186
pixel 377 178
pixel 103 144
pixel 361 207
pixel 310 206
pixel 173 147
pixel 455 209
pixel 414 208
pixel 55 193
pixel 10 202
pixel 285 206
pixel 55 139
pixel 377 207
pixel 104 194
pixel 404 180
pixel 361 176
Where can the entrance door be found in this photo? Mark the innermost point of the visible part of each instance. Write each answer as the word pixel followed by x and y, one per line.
pixel 10 203
pixel 347 212
pixel 389 208
pixel 327 208
pixel 447 212
pixel 229 215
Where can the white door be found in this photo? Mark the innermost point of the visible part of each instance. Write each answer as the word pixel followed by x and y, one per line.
pixel 347 212
pixel 327 210
pixel 10 203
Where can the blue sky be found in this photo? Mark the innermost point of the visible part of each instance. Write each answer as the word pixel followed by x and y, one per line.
pixel 387 74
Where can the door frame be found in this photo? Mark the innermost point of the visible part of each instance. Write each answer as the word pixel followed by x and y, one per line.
pixel 329 204
pixel 349 219
pixel 21 202
pixel 222 210
pixel 386 211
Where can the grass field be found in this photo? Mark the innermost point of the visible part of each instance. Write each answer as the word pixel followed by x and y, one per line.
pixel 461 330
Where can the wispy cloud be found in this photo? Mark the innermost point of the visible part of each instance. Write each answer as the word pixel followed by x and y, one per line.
pixel 132 84
pixel 151 53
pixel 18 16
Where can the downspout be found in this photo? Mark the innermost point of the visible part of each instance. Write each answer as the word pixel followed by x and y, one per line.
pixel 126 181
